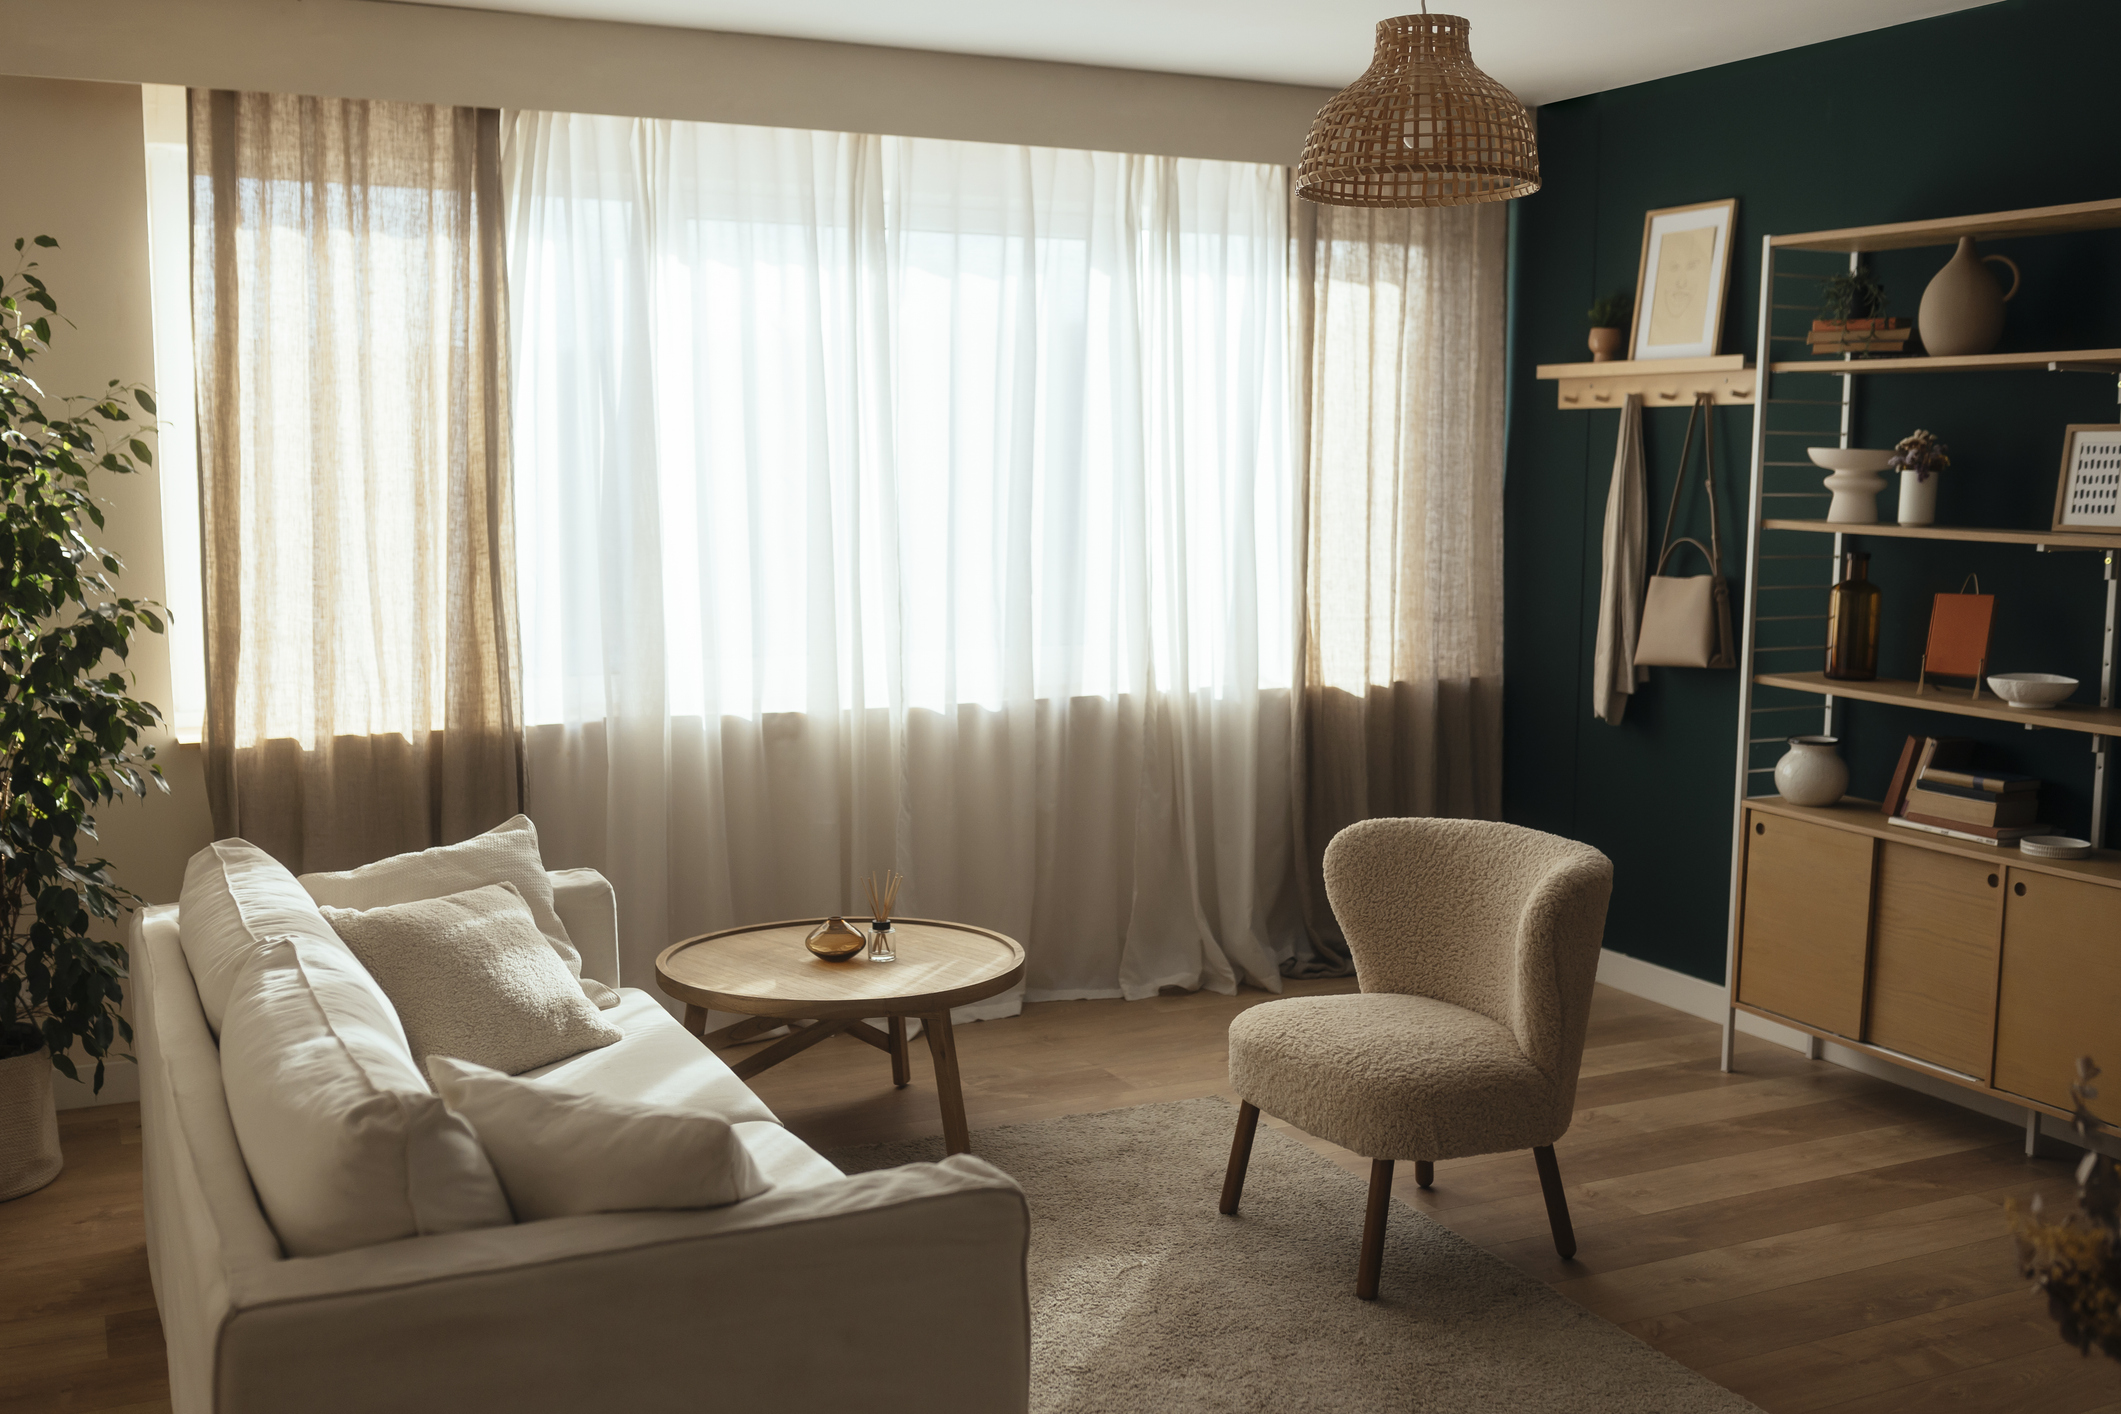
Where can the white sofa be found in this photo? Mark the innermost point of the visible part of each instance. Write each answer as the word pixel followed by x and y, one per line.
pixel 897 1290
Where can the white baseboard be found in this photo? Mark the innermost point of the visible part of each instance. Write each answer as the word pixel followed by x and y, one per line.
pixel 1708 1001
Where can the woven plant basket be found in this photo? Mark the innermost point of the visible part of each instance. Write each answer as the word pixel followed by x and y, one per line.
pixel 1422 127
pixel 29 1125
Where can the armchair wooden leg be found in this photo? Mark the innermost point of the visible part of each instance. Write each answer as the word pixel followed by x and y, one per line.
pixel 1424 1173
pixel 1373 1229
pixel 1240 1155
pixel 1557 1201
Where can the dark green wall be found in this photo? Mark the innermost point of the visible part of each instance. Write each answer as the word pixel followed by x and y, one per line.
pixel 2007 106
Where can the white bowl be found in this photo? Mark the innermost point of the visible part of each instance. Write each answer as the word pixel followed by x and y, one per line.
pixel 1861 460
pixel 2031 689
pixel 2055 847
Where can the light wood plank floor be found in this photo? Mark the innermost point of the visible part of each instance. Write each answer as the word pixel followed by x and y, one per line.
pixel 1811 1238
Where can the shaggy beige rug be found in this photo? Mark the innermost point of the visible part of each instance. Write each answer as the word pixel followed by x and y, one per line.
pixel 1145 1299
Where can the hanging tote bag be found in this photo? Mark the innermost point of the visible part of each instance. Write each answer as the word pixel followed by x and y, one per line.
pixel 1686 619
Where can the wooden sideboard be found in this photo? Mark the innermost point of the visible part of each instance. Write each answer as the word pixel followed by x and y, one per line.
pixel 1989 969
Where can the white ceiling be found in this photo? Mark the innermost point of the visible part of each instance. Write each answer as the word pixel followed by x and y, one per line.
pixel 1544 50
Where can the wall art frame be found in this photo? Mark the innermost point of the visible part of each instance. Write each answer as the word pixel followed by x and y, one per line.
pixel 2088 490
pixel 1681 280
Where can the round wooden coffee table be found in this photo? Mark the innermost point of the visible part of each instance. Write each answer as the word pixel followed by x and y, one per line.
pixel 765 973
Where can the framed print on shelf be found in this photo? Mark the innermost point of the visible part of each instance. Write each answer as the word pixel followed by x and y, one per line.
pixel 1685 269
pixel 2088 496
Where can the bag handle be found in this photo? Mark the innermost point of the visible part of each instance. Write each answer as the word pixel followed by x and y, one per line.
pixel 1704 410
pixel 1673 549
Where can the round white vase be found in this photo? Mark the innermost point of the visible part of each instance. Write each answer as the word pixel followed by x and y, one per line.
pixel 1858 478
pixel 1918 498
pixel 29 1125
pixel 1811 772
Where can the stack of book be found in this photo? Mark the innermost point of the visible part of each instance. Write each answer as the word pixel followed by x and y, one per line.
pixel 1936 790
pixel 1858 336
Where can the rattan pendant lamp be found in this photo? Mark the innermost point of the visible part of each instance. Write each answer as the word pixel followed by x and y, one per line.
pixel 1423 126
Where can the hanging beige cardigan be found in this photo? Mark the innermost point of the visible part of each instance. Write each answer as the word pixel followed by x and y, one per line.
pixel 1620 580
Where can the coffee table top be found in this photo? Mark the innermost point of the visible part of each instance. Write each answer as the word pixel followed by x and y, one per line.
pixel 764 970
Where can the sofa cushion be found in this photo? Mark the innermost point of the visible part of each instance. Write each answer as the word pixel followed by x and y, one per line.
pixel 505 854
pixel 235 897
pixel 560 1152
pixel 783 1160
pixel 657 1062
pixel 471 977
pixel 345 1144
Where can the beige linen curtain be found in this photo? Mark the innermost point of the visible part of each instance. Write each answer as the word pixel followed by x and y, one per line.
pixel 1401 525
pixel 349 315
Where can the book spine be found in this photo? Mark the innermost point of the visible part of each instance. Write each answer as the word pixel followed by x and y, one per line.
pixel 1942 830
pixel 1931 782
pixel 1987 834
pixel 1992 785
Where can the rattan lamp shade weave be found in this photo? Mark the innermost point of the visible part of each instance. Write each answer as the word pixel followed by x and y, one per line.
pixel 1422 127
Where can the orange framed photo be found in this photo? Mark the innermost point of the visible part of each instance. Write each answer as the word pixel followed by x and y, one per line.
pixel 2088 492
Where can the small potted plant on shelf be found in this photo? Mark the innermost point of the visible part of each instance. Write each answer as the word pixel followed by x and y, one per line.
pixel 1609 325
pixel 1852 318
pixel 2076 1263
pixel 69 731
pixel 1918 457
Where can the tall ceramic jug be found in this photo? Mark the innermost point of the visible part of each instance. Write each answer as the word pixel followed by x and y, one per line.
pixel 1962 310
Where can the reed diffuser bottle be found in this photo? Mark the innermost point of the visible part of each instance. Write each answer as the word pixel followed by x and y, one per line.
pixel 883 897
pixel 1852 622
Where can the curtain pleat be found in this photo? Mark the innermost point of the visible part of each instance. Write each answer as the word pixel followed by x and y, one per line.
pixel 1401 528
pixel 350 318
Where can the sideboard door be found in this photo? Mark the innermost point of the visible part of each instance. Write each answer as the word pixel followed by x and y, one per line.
pixel 1805 929
pixel 1933 957
pixel 2060 992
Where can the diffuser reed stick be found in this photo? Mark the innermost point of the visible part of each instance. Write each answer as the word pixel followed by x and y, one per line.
pixel 883 897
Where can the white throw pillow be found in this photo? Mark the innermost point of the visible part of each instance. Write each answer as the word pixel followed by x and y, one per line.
pixel 505 854
pixel 471 976
pixel 559 1152
pixel 235 897
pixel 345 1144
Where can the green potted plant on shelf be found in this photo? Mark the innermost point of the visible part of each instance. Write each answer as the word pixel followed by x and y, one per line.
pixel 1609 325
pixel 1852 318
pixel 69 730
pixel 1918 457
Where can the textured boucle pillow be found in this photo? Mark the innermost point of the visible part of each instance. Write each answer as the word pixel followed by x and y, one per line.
pixel 471 976
pixel 560 1152
pixel 506 854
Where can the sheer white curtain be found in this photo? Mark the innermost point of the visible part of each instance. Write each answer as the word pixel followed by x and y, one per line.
pixel 892 502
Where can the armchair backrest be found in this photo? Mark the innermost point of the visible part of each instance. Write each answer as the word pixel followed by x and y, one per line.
pixel 1495 918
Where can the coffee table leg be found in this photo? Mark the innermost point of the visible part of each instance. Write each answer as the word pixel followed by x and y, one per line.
pixel 696 1019
pixel 901 1063
pixel 942 1045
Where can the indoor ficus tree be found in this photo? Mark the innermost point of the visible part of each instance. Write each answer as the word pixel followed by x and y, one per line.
pixel 69 728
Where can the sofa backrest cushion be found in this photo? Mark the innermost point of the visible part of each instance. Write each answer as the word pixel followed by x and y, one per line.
pixel 470 977
pixel 561 1152
pixel 506 854
pixel 346 1144
pixel 235 897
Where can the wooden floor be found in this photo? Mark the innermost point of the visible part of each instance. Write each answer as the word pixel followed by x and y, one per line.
pixel 1811 1238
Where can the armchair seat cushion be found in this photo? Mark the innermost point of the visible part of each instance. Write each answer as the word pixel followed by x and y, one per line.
pixel 1392 1076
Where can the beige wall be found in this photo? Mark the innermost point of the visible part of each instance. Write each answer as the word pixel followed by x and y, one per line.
pixel 429 54
pixel 77 172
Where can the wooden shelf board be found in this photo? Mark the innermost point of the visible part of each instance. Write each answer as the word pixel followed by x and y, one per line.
pixel 2071 360
pixel 1905 235
pixel 1865 818
pixel 2095 721
pixel 2072 539
pixel 1637 367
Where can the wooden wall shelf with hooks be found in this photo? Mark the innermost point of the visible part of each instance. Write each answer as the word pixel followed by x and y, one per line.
pixel 1663 382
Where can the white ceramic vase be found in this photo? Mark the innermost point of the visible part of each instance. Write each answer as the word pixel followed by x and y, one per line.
pixel 1918 498
pixel 1811 772
pixel 29 1125
pixel 1858 478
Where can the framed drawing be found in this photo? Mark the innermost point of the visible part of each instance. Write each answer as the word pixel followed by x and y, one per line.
pixel 1684 272
pixel 2088 496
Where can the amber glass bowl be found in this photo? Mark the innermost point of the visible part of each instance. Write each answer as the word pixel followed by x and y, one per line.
pixel 836 940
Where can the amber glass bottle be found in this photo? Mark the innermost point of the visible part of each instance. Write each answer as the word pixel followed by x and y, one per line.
pixel 1852 622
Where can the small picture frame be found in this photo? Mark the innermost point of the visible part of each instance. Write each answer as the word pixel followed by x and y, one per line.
pixel 2088 494
pixel 1683 274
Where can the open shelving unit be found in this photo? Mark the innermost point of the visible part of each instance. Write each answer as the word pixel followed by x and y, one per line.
pixel 1803 402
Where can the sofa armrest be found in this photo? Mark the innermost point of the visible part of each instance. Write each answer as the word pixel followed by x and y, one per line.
pixel 590 910
pixel 902 1289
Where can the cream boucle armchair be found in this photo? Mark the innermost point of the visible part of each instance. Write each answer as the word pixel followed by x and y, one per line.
pixel 1476 947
